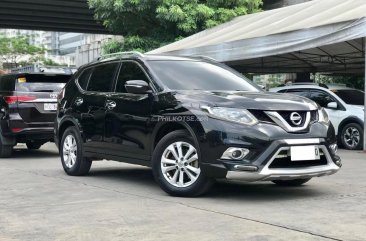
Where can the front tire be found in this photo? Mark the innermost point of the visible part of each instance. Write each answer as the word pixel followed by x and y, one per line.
pixel 352 136
pixel 72 158
pixel 292 183
pixel 176 166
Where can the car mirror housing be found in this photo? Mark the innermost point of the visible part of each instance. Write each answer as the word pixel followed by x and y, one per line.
pixel 332 105
pixel 137 87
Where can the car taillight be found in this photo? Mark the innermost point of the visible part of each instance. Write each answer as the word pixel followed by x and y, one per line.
pixel 14 99
pixel 61 95
pixel 16 130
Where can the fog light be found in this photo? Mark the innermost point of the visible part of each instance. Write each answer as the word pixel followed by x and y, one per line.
pixel 333 148
pixel 235 153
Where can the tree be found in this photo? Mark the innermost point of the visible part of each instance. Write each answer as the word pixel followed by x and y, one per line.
pixel 148 24
pixel 13 49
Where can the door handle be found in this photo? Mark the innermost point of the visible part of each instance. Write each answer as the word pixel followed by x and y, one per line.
pixel 79 101
pixel 110 104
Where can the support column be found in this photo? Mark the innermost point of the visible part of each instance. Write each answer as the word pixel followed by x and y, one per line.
pixel 364 120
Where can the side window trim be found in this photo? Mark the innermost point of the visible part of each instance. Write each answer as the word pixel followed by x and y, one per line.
pixel 151 83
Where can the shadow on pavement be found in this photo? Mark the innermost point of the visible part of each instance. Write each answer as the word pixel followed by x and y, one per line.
pixel 24 153
pixel 260 191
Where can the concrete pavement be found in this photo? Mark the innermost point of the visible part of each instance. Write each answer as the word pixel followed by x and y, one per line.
pixel 122 202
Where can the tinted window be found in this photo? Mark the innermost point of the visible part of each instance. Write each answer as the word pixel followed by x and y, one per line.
pixel 351 97
pixel 301 92
pixel 84 78
pixel 41 82
pixel 129 71
pixel 102 77
pixel 192 75
pixel 7 83
pixel 321 98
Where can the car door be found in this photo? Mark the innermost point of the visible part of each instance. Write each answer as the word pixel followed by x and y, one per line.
pixel 127 119
pixel 90 104
pixel 323 98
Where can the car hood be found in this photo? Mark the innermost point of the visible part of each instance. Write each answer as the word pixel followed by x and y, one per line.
pixel 247 100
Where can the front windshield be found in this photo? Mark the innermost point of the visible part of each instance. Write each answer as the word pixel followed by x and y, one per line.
pixel 351 96
pixel 199 75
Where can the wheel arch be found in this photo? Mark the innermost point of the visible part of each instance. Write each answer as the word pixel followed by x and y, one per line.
pixel 66 123
pixel 163 129
pixel 348 120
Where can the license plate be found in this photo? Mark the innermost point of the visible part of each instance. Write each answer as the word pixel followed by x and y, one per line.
pixel 304 153
pixel 50 106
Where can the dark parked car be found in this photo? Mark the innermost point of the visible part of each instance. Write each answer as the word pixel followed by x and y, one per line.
pixel 28 104
pixel 192 120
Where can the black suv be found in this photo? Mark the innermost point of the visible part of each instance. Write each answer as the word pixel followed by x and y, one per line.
pixel 28 104
pixel 192 120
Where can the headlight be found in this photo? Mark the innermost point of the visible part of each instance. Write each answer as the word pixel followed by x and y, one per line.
pixel 323 116
pixel 241 116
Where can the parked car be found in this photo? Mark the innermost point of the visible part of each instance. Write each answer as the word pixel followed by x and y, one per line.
pixel 345 108
pixel 28 105
pixel 192 120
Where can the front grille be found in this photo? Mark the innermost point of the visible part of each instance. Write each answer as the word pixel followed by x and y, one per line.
pixel 286 115
pixel 283 160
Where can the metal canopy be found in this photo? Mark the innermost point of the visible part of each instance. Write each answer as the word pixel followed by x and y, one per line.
pixel 51 15
pixel 317 36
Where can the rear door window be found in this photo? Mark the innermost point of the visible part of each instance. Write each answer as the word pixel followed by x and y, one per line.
pixel 102 77
pixel 41 82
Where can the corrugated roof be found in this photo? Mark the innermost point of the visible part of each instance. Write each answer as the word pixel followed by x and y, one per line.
pixel 297 17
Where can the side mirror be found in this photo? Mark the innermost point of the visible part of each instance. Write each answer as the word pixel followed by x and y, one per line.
pixel 332 105
pixel 137 87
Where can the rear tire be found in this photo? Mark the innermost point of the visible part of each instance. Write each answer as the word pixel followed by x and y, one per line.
pixel 5 151
pixel 33 145
pixel 352 136
pixel 71 153
pixel 293 183
pixel 178 155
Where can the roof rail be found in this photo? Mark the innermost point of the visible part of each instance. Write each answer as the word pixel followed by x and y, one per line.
pixel 120 55
pixel 306 83
pixel 202 57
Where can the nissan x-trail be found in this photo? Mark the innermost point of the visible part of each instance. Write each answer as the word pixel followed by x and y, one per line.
pixel 192 120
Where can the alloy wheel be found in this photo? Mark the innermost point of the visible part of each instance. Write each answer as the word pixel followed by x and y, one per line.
pixel 69 151
pixel 352 137
pixel 179 164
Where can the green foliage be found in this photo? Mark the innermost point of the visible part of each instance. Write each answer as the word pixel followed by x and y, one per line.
pixel 12 49
pixel 147 24
pixel 39 60
pixel 354 81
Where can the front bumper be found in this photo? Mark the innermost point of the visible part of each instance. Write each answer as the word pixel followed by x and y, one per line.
pixel 267 173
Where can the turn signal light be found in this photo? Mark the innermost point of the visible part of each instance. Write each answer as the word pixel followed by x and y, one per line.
pixel 14 99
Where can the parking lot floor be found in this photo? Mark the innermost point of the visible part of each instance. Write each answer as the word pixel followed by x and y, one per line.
pixel 118 201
